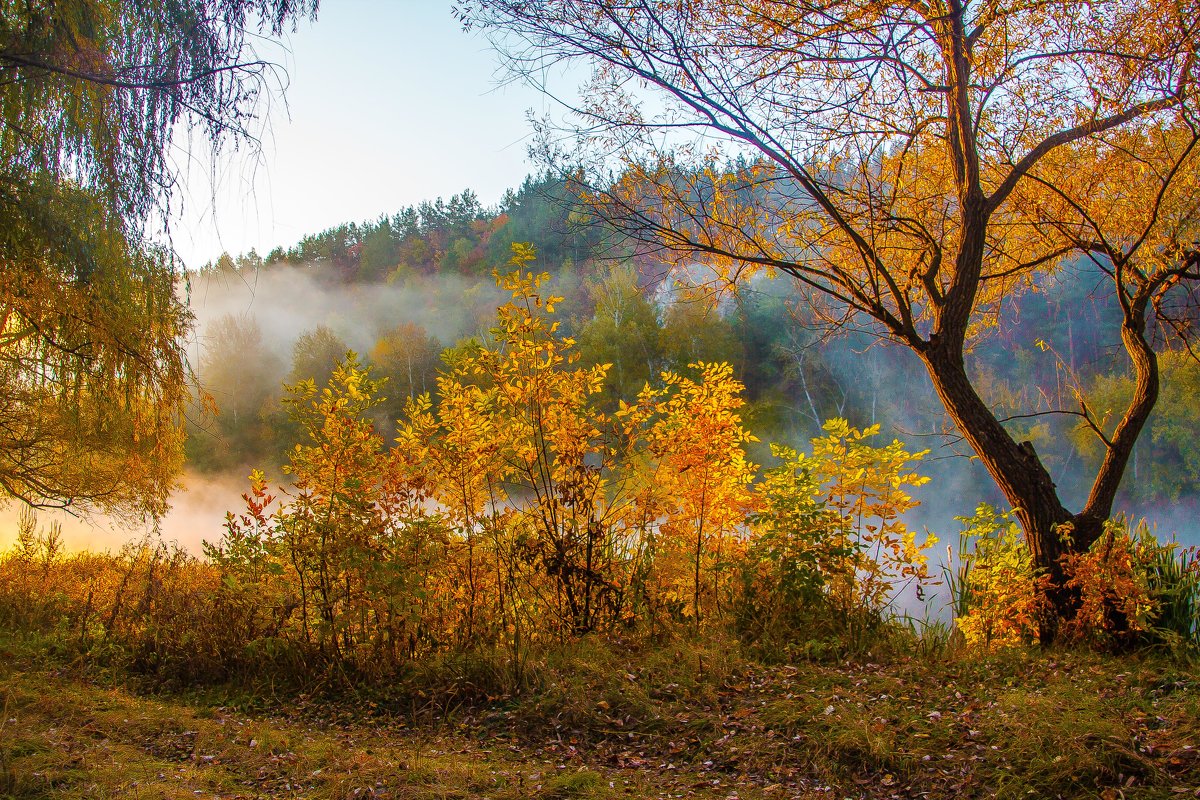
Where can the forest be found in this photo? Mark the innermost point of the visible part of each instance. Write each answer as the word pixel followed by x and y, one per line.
pixel 740 472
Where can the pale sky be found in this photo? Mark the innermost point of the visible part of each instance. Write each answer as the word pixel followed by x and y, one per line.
pixel 389 103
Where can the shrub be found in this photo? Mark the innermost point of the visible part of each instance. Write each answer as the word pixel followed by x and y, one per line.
pixel 1133 590
pixel 994 591
pixel 829 547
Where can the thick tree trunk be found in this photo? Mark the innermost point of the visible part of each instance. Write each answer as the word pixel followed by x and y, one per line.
pixel 1051 530
pixel 1015 467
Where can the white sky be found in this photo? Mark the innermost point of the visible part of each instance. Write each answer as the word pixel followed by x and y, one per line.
pixel 389 103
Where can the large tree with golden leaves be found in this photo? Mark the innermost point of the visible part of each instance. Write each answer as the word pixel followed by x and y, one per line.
pixel 913 165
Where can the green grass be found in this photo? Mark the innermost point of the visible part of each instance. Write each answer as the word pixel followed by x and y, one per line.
pixel 679 720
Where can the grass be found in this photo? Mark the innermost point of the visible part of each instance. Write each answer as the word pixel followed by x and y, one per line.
pixel 67 738
pixel 604 721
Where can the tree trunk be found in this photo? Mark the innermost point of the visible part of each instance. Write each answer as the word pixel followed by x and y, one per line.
pixel 1051 530
pixel 1016 469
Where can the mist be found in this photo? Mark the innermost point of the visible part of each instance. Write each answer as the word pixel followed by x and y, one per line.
pixel 289 300
pixel 284 302
pixel 197 513
pixel 866 382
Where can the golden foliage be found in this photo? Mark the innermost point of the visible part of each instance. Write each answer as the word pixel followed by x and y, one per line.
pixel 1113 581
pixel 998 604
pixel 696 484
pixel 909 166
pixel 866 489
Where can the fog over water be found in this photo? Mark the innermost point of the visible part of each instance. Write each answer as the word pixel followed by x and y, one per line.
pixel 197 513
pixel 288 301
pixel 284 302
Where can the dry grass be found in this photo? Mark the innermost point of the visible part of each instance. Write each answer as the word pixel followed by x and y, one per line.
pixel 676 721
pixel 67 736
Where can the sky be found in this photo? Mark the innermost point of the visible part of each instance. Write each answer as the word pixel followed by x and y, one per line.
pixel 388 103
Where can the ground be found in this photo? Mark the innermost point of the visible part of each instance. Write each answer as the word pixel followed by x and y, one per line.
pixel 610 724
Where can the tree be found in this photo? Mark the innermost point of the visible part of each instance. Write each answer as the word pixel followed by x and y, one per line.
pixel 315 355
pixel 91 363
pixel 242 376
pixel 700 482
pixel 95 91
pixel 911 166
pixel 378 255
pixel 340 560
pixel 831 547
pixel 332 526
pixel 94 97
pixel 519 430
pixel 544 212
pixel 694 330
pixel 409 358
pixel 624 332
